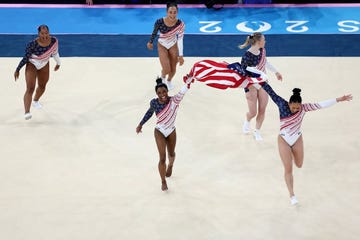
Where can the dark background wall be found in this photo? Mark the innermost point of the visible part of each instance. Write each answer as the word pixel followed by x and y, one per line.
pixel 178 1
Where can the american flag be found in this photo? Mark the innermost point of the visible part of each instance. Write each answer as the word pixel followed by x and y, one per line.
pixel 221 75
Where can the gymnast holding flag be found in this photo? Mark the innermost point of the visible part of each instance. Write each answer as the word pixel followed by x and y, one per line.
pixel 290 140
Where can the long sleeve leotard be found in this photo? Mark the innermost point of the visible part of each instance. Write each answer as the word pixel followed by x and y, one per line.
pixel 290 123
pixel 38 55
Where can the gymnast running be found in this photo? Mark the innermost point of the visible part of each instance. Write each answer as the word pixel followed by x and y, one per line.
pixel 170 43
pixel 166 108
pixel 290 140
pixel 37 55
pixel 257 99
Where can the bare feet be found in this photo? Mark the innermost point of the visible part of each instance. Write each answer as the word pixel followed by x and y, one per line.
pixel 164 186
pixel 169 170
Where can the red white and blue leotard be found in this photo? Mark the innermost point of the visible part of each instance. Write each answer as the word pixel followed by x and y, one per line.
pixel 38 55
pixel 165 112
pixel 169 36
pixel 259 61
pixel 290 123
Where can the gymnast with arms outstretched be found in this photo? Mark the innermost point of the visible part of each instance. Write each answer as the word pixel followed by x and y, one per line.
pixel 165 108
pixel 290 140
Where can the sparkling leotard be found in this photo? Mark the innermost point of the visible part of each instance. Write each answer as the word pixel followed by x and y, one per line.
pixel 165 112
pixel 169 36
pixel 38 55
pixel 259 61
pixel 290 123
pixel 252 60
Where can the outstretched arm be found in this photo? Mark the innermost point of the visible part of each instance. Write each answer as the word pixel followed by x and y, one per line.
pixel 179 96
pixel 348 97
pixel 326 103
pixel 273 95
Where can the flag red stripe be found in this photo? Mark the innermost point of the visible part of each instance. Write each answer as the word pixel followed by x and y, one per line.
pixel 217 75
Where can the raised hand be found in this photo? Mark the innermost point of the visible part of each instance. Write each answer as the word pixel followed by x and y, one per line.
pixel 188 80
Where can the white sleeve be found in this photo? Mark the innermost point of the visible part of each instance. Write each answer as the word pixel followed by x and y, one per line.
pixel 327 103
pixel 184 89
pixel 180 46
pixel 180 37
pixel 270 67
pixel 56 56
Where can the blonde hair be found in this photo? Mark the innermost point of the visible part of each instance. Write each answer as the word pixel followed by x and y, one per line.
pixel 251 39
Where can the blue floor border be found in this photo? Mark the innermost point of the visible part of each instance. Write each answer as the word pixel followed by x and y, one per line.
pixel 123 30
pixel 90 45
